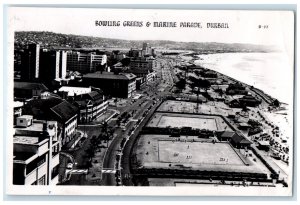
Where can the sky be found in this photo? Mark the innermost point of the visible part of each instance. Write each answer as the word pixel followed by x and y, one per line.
pixel 243 25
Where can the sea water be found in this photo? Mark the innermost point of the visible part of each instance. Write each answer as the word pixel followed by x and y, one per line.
pixel 270 72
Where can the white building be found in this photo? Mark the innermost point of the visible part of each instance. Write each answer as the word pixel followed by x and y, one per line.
pixel 71 91
pixel 36 153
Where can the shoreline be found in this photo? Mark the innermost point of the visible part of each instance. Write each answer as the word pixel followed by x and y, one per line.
pixel 266 97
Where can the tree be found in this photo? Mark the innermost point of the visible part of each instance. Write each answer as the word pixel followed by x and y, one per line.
pixel 276 103
pixel 106 132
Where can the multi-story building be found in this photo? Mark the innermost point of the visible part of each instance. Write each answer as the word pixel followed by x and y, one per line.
pixel 53 65
pixel 135 53
pixel 30 63
pixel 36 152
pixel 121 85
pixel 85 62
pixel 91 105
pixel 54 108
pixel 141 63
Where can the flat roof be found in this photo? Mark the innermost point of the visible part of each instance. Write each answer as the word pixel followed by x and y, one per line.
pixel 30 140
pixel 18 104
pixel 29 86
pixel 264 143
pixel 37 125
pixel 21 157
pixel 110 75
pixel 26 116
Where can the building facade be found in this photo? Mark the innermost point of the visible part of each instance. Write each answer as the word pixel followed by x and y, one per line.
pixel 56 109
pixel 30 62
pixel 85 62
pixel 36 152
pixel 121 85
pixel 91 106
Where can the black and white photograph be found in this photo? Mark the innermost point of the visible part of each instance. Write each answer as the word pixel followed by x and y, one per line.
pixel 150 101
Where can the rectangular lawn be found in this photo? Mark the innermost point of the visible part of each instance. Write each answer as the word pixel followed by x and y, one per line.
pixel 197 153
pixel 194 122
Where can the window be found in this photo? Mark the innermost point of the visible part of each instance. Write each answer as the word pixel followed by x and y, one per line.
pixel 54 171
pixel 42 180
pixel 21 121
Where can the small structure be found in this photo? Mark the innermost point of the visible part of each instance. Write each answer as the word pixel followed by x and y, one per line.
pixel 24 120
pixel 226 136
pixel 239 141
pixel 264 145
pixel 244 126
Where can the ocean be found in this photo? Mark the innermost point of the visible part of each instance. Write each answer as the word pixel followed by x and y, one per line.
pixel 270 72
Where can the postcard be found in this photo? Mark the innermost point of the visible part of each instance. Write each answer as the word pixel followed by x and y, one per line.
pixel 149 102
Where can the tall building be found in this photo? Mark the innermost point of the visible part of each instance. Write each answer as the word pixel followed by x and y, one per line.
pixel 49 65
pixel 145 46
pixel 85 62
pixel 63 65
pixel 53 65
pixel 30 62
pixel 36 152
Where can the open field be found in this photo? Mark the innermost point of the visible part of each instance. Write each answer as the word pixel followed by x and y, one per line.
pixel 213 108
pixel 198 153
pixel 193 153
pixel 213 123
pixel 199 123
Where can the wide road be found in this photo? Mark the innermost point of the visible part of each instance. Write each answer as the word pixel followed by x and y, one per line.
pixel 166 82
pixel 114 147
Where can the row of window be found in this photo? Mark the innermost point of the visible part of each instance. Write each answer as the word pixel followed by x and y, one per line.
pixel 40 181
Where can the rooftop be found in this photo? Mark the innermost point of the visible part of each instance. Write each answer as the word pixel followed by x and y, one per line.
pixel 240 139
pixel 65 110
pixel 18 104
pixel 30 140
pixel 110 75
pixel 20 157
pixel 228 134
pixel 50 109
pixel 75 90
pixel 29 86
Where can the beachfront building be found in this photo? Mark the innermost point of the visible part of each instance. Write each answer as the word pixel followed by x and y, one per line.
pixel 122 85
pixel 55 109
pixel 226 136
pixel 236 89
pixel 36 152
pixel 249 100
pixel 239 141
